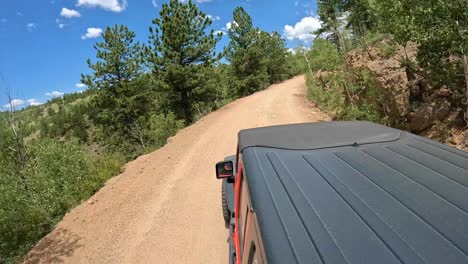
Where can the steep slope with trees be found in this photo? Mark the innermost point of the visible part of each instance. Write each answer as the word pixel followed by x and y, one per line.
pixel 165 206
pixel 56 155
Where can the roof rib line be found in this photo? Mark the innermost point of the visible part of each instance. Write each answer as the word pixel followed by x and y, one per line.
pixel 409 209
pixel 295 208
pixel 427 153
pixel 452 151
pixel 410 179
pixel 419 163
pixel 352 208
pixel 276 207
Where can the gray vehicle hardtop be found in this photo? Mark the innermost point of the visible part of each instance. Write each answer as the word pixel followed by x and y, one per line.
pixel 355 192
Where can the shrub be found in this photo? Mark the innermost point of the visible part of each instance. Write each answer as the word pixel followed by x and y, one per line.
pixel 348 95
pixel 324 56
pixel 58 176
pixel 162 127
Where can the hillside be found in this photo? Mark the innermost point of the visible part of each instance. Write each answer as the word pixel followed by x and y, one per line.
pixel 382 87
pixel 403 64
pixel 56 155
pixel 170 199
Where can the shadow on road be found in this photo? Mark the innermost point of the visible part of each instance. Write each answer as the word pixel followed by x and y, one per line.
pixel 54 247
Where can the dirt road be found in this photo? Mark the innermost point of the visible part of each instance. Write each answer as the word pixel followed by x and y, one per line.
pixel 166 206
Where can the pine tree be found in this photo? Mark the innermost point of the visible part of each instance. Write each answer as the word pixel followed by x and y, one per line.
pixel 361 18
pixel 122 88
pixel 330 14
pixel 118 59
pixel 182 56
pixel 246 55
pixel 275 55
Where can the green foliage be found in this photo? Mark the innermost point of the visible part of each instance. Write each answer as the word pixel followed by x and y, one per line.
pixel 257 58
pixel 161 127
pixel 118 60
pixel 105 167
pixel 57 177
pixel 323 56
pixel 246 56
pixel 348 95
pixel 137 97
pixel 296 63
pixel 123 93
pixel 441 30
pixel 438 27
pixel 276 53
pixel 361 18
pixel 182 62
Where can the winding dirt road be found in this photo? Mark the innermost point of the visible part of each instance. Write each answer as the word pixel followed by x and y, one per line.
pixel 166 206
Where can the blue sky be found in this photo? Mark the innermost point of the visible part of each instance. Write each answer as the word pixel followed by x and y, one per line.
pixel 44 44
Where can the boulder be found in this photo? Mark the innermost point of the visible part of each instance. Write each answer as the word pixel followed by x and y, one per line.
pixel 426 115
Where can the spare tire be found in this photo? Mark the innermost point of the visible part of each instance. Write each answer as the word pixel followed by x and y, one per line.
pixel 225 206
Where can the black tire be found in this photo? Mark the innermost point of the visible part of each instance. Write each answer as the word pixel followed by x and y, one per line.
pixel 225 206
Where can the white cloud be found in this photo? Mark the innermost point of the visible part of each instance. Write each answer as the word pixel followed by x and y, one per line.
pixel 303 30
pixel 154 3
pixel 225 29
pixel 4 20
pixel 61 26
pixel 18 13
pixel 92 33
pixel 69 13
pixel 31 27
pixel 292 51
pixel 296 3
pixel 34 102
pixel 55 94
pixel 110 5
pixel 229 25
pixel 14 103
pixel 80 85
pixel 213 18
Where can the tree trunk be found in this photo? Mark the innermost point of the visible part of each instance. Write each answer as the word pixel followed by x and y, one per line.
pixel 307 60
pixel 186 105
pixel 465 68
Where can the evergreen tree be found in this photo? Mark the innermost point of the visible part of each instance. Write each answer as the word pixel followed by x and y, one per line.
pixel 330 14
pixel 182 56
pixel 275 55
pixel 361 18
pixel 118 60
pixel 123 91
pixel 246 55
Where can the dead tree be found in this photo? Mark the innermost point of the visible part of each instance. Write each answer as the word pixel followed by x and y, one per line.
pixel 17 148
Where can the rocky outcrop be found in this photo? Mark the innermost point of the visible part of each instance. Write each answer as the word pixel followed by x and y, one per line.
pixel 425 116
pixel 412 102
pixel 392 76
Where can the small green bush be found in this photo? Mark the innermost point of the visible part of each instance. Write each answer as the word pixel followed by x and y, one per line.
pixel 348 95
pixel 324 56
pixel 161 127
